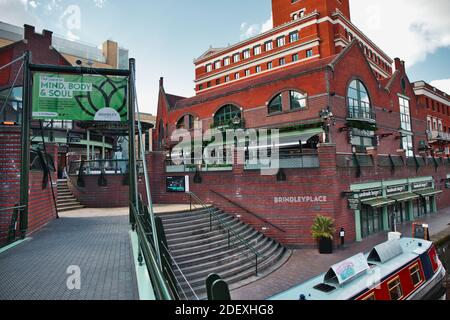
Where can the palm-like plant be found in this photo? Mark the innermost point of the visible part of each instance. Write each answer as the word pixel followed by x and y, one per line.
pixel 323 228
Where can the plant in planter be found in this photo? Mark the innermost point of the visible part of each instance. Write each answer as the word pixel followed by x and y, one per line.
pixel 323 231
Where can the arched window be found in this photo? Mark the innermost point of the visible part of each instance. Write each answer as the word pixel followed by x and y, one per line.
pixel 186 122
pixel 226 115
pixel 358 101
pixel 296 100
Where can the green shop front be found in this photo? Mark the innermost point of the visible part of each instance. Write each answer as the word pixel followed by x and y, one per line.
pixel 381 206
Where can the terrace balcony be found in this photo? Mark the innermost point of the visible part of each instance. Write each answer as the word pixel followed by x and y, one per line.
pixel 438 136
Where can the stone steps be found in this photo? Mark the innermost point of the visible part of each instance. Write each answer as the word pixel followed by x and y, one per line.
pixel 66 200
pixel 200 251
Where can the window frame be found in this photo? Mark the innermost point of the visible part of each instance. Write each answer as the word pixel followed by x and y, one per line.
pixel 411 273
pixel 397 278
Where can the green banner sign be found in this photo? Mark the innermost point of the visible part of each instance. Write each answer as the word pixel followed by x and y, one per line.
pixel 80 97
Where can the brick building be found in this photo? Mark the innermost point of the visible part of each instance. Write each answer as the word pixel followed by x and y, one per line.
pixel 353 136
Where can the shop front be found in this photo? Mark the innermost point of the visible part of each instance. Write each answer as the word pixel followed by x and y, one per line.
pixel 383 206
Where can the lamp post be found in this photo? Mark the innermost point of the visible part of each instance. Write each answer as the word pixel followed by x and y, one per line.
pixel 326 116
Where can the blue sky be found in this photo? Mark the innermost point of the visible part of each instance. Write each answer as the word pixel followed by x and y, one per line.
pixel 165 36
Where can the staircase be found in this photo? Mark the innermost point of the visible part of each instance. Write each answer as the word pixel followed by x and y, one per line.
pixel 200 252
pixel 66 201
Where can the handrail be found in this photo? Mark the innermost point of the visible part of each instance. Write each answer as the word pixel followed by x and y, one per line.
pixel 226 228
pixel 247 211
pixel 161 289
pixel 12 208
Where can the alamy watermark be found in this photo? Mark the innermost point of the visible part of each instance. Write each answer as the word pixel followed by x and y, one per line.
pixel 74 280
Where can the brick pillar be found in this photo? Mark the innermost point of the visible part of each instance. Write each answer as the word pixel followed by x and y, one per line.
pixel 374 153
pixel 156 173
pixel 327 158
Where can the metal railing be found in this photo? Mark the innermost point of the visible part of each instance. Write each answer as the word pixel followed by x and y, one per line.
pixel 147 253
pixel 247 211
pixel 9 225
pixel 361 114
pixel 230 232
pixel 438 135
pixel 97 167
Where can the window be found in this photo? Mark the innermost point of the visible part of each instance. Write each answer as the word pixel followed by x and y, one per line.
pixel 407 144
pixel 258 69
pixel 416 276
pixel 208 84
pixel 227 78
pixel 200 87
pixel 247 72
pixel 395 289
pixel 257 50
pixel 298 100
pixel 269 45
pixel 269 65
pixel 226 114
pixel 293 37
pixel 217 81
pixel 405 114
pixel 370 297
pixel 237 75
pixel 282 62
pixel 11 105
pixel 236 57
pixel 295 16
pixel 276 104
pixel 295 57
pixel 226 61
pixel 309 53
pixel 358 101
pixel 208 67
pixel 246 54
pixel 187 119
pixel 217 65
pixel 281 41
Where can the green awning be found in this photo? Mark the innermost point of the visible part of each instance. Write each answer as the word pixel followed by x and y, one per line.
pixel 428 192
pixel 378 202
pixel 403 197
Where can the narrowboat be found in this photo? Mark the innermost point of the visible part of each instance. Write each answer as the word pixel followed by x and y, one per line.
pixel 400 269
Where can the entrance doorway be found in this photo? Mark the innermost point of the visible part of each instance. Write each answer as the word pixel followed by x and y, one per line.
pixel 371 220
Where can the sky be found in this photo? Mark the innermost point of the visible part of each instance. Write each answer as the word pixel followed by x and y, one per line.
pixel 166 35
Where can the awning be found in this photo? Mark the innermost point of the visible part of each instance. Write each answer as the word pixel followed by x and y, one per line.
pixel 403 197
pixel 285 138
pixel 378 202
pixel 428 192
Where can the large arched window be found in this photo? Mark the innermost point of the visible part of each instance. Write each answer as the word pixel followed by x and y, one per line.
pixel 226 115
pixel 359 102
pixel 295 99
pixel 186 122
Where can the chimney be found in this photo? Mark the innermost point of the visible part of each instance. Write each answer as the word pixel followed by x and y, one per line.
pixel 47 35
pixel 110 52
pixel 161 82
pixel 399 65
pixel 29 31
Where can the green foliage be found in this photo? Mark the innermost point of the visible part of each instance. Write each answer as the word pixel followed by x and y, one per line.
pixel 361 125
pixel 323 227
pixel 301 127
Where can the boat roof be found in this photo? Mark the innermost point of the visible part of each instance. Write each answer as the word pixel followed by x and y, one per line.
pixel 348 278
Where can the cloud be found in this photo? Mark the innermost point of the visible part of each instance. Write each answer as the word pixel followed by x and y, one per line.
pixel 251 30
pixel 100 3
pixel 408 29
pixel 18 12
pixel 443 85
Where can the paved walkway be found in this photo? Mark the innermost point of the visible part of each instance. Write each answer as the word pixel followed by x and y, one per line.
pixel 95 240
pixel 308 263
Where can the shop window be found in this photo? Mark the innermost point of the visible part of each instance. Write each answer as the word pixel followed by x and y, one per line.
pixel 11 105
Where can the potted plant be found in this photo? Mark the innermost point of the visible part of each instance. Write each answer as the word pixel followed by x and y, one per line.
pixel 323 231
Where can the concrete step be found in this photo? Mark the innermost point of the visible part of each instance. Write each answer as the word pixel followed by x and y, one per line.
pixel 191 220
pixel 210 248
pixel 210 238
pixel 69 208
pixel 201 224
pixel 184 216
pixel 67 202
pixel 62 197
pixel 232 272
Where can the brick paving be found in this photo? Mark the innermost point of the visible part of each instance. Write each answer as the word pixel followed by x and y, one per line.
pixel 305 264
pixel 96 240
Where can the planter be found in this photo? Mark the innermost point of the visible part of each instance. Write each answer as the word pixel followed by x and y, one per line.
pixel 325 246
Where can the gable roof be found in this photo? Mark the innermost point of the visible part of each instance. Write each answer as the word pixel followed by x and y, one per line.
pixel 211 51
